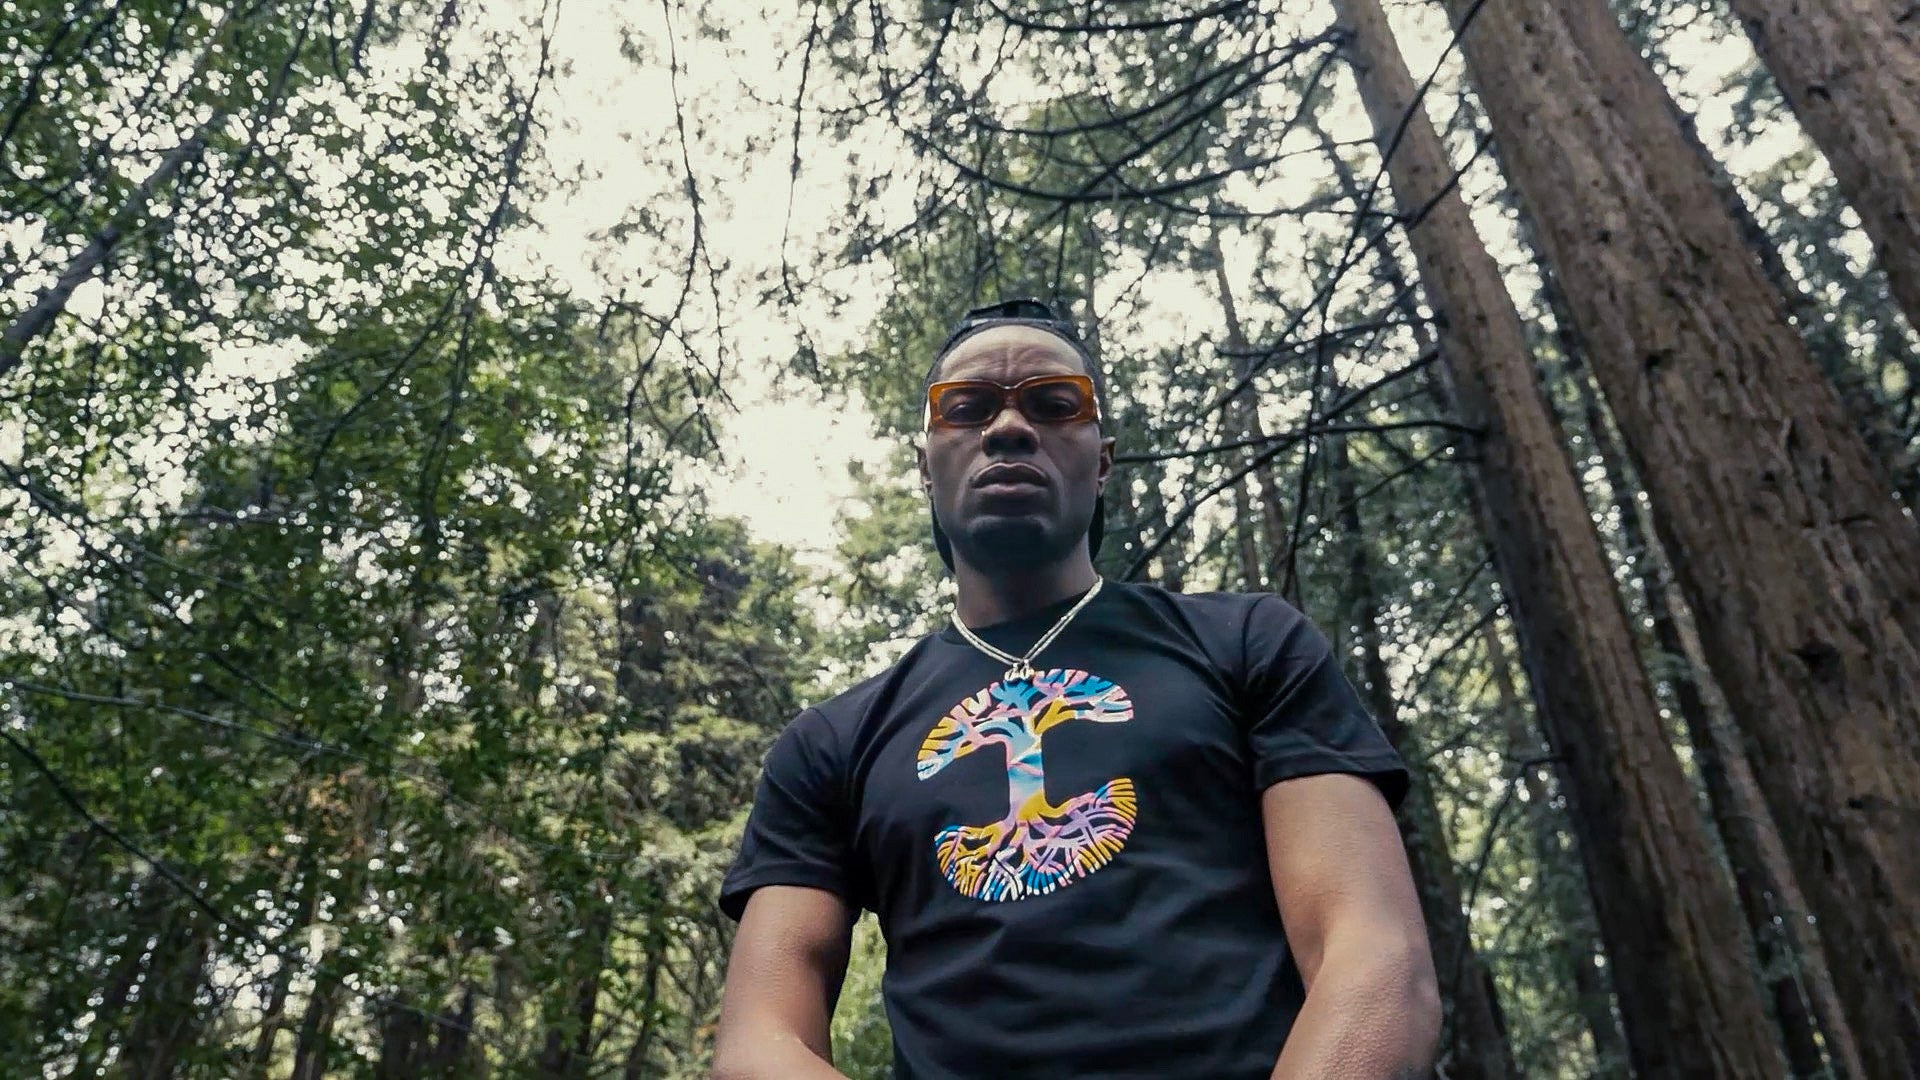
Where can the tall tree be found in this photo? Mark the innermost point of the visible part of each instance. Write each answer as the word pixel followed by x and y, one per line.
pixel 1257 498
pixel 1851 70
pixel 1575 934
pixel 1799 565
pixel 1578 947
pixel 1474 1037
pixel 1794 974
pixel 1682 949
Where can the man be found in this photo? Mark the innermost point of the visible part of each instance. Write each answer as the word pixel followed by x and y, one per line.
pixel 1108 830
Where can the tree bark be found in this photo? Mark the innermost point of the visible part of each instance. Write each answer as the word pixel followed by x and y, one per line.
pixel 1473 1039
pixel 1593 997
pixel 1851 71
pixel 1580 947
pixel 166 1017
pixel 649 1003
pixel 316 1029
pixel 1739 823
pixel 1826 342
pixel 1690 1004
pixel 1843 1051
pixel 1258 493
pixel 1802 572
pixel 1795 967
pixel 569 1044
pixel 1803 998
pixel 273 1016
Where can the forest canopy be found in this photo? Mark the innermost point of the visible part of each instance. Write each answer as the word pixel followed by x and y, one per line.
pixel 442 445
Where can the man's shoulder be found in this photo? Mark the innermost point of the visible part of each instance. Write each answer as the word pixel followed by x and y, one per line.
pixel 847 707
pixel 1230 627
pixel 1234 606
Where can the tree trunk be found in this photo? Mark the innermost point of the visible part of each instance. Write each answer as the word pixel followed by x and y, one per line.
pixel 569 1043
pixel 1671 921
pixel 448 1057
pixel 1843 1051
pixel 1473 1040
pixel 1804 997
pixel 1851 71
pixel 402 1044
pixel 1258 492
pixel 273 1017
pixel 1593 997
pixel 649 1005
pixel 1801 570
pixel 1739 823
pixel 1746 828
pixel 166 1016
pixel 1580 947
pixel 316 1028
pixel 1826 342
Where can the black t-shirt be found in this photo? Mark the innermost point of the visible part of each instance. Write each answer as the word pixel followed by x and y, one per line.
pixel 1071 873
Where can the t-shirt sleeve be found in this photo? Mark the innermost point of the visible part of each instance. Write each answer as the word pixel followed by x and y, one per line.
pixel 1304 717
pixel 799 830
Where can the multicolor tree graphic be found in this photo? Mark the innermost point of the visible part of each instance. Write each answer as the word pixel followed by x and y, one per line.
pixel 1038 846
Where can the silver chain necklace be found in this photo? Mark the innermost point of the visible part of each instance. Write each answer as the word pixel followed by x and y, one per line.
pixel 1020 668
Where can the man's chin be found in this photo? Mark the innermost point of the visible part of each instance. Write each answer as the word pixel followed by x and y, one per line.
pixel 1011 542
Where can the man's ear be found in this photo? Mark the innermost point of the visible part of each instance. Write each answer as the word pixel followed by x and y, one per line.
pixel 920 459
pixel 1106 460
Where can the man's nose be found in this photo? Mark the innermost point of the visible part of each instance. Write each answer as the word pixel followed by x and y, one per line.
pixel 1010 430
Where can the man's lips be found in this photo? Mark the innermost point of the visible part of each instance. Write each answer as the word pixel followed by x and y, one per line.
pixel 1008 474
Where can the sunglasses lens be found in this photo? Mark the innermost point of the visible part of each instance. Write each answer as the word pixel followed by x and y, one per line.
pixel 1051 400
pixel 968 406
pixel 1053 403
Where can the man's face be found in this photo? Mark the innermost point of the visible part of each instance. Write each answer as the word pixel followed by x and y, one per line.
pixel 1014 494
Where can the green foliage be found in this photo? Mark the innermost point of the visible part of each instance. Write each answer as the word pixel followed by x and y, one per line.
pixel 379 695
pixel 378 698
pixel 862 1040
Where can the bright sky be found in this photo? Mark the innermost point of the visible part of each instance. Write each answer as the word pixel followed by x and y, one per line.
pixel 786 452
pixel 611 130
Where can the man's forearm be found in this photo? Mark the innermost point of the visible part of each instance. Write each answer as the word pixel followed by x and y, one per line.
pixel 1372 1013
pixel 777 1056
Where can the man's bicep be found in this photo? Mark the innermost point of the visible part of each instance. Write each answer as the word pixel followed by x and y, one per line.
pixel 799 831
pixel 1337 863
pixel 789 958
pixel 1304 717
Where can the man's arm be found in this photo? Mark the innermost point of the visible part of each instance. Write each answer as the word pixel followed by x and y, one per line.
pixel 1353 920
pixel 789 957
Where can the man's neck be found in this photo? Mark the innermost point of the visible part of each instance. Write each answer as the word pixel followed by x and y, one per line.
pixel 986 599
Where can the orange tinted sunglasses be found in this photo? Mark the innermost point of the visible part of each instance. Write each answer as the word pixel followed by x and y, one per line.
pixel 1043 399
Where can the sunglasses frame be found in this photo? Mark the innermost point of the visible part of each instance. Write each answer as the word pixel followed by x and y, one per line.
pixel 1010 397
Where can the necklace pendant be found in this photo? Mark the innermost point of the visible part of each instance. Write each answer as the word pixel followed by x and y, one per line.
pixel 1020 672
